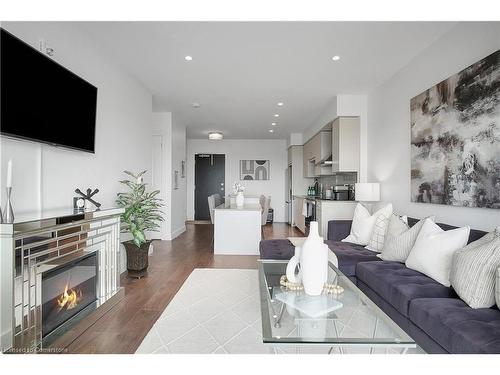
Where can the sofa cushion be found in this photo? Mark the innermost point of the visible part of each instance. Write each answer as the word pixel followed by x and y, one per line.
pixel 350 254
pixel 457 327
pixel 474 234
pixel 398 285
pixel 339 229
pixel 276 249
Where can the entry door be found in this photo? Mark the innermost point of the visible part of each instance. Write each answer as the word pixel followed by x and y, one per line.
pixel 209 177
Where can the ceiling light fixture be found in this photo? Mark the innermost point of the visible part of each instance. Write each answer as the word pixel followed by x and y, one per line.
pixel 215 136
pixel 271 130
pixel 188 58
pixel 336 58
pixel 195 105
pixel 273 123
pixel 280 104
pixel 276 115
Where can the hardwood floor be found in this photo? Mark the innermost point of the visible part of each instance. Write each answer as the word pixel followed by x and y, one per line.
pixel 123 328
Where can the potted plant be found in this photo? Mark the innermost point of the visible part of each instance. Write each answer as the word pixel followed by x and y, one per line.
pixel 142 213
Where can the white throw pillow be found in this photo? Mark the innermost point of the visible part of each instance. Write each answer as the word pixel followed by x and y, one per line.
pixel 362 224
pixel 400 239
pixel 378 236
pixel 433 251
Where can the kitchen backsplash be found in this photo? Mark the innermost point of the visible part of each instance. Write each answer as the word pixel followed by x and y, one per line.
pixel 338 179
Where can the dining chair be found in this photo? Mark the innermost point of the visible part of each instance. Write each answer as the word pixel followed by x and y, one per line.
pixel 265 202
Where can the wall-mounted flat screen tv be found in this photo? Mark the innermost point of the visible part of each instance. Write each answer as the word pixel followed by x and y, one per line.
pixel 42 100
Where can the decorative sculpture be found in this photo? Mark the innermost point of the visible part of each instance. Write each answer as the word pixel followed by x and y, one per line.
pixel 89 195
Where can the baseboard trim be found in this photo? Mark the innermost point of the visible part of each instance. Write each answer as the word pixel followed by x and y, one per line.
pixel 177 232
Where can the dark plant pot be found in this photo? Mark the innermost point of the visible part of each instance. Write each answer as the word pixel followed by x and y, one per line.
pixel 137 258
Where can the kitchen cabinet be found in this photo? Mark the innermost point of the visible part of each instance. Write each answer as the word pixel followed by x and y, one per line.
pixel 345 144
pixel 316 150
pixel 306 157
pixel 297 184
pixel 298 218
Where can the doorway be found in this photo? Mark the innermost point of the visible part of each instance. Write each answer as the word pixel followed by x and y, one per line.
pixel 209 178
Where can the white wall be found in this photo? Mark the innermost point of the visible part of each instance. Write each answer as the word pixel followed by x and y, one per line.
pixel 389 120
pixel 243 149
pixel 328 114
pixel 178 203
pixel 348 105
pixel 162 127
pixel 295 140
pixel 45 177
pixel 173 133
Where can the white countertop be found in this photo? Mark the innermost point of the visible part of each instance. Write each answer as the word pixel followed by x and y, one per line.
pixel 232 207
pixel 312 198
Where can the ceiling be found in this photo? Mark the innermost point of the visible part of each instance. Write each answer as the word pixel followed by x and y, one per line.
pixel 241 70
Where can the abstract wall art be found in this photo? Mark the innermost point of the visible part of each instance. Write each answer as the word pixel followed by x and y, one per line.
pixel 254 170
pixel 455 138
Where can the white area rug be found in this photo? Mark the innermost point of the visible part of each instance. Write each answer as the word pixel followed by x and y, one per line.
pixel 218 311
pixel 215 311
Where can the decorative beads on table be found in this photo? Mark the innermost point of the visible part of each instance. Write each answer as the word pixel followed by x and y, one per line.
pixel 333 289
pixel 328 288
pixel 289 285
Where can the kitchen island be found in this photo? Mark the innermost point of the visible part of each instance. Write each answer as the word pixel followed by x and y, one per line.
pixel 237 230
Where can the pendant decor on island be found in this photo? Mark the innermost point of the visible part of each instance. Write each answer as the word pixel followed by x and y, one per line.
pixel 238 189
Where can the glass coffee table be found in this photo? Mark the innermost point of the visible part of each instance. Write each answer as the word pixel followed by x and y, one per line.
pixel 301 321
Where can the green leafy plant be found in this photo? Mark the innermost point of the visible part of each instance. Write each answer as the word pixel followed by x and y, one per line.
pixel 142 209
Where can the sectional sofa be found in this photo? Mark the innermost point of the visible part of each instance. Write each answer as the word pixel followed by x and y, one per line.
pixel 432 314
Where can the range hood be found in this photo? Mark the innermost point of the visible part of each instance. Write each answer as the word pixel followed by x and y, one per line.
pixel 327 162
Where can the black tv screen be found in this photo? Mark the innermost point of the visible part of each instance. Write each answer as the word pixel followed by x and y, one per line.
pixel 43 101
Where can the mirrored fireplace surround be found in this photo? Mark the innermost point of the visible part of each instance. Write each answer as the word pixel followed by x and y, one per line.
pixel 55 269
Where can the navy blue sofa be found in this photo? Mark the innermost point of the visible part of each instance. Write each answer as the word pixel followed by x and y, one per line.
pixel 432 314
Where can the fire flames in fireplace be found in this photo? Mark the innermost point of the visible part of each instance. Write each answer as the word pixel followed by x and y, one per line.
pixel 69 299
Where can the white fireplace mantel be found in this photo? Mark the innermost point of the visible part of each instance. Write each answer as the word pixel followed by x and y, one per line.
pixel 38 242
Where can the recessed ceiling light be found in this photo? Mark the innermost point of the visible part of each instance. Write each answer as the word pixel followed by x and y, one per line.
pixel 273 123
pixel 280 104
pixel 215 136
pixel 336 58
pixel 276 115
pixel 188 58
pixel 195 105
pixel 271 130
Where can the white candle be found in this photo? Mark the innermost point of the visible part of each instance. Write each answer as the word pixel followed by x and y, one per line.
pixel 9 173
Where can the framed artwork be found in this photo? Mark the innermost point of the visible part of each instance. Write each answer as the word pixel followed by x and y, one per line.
pixel 254 170
pixel 455 138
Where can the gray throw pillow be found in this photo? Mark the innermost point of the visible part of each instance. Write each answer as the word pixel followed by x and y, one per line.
pixel 399 240
pixel 474 269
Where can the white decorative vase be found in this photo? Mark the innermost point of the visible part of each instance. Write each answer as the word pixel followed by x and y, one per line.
pixel 293 273
pixel 314 262
pixel 240 199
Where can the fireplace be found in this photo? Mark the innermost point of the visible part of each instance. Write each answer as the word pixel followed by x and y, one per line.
pixel 67 290
pixel 60 273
